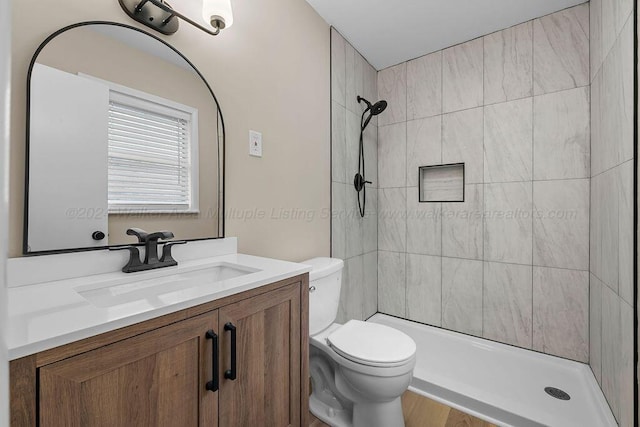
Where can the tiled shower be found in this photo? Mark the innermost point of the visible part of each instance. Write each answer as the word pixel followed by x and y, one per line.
pixel 539 254
pixel 510 263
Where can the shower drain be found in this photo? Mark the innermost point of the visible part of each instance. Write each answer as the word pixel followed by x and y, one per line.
pixel 557 393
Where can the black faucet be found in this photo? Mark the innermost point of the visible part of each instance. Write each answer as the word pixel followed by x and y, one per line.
pixel 150 241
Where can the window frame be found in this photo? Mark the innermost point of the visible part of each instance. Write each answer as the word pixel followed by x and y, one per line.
pixel 159 105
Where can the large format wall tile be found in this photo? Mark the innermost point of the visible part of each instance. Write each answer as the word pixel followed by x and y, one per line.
pixel 561 50
pixel 352 145
pixel 595 327
pixel 616 104
pixel 508 134
pixel 507 303
pixel 392 219
pixel 611 346
pixel 561 224
pixel 462 142
pixel 392 87
pixel 338 142
pixel 561 297
pixel 595 36
pixel 391 283
pixel 612 107
pixel 424 303
pixel 392 160
pixel 462 295
pixel 338 221
pixel 354 86
pixel 627 365
pixel 462 76
pixel 338 67
pixel 508 64
pixel 342 316
pixel 424 225
pixel 370 85
pixel 604 236
pixel 597 155
pixel 352 291
pixel 561 135
pixel 424 86
pixel 370 221
pixel 462 228
pixel 617 355
pixel 354 231
pixel 615 13
pixel 624 175
pixel 370 140
pixel 424 147
pixel 508 229
pixel 370 263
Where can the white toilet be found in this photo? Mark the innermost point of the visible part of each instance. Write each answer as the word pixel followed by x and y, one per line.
pixel 359 370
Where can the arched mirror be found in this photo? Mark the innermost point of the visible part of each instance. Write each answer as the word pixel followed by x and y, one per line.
pixel 122 131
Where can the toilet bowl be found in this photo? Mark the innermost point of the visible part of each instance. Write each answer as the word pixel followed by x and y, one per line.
pixel 358 370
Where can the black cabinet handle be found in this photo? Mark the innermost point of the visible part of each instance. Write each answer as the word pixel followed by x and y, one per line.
pixel 231 373
pixel 214 383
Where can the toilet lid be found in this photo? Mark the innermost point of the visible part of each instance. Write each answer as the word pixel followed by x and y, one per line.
pixel 372 344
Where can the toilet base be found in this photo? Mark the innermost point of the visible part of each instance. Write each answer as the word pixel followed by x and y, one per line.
pixel 387 414
pixel 329 415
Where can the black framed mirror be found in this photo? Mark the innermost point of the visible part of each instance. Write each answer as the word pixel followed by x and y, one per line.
pixel 122 131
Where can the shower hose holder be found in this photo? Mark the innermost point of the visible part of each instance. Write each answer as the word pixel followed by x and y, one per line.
pixel 359 182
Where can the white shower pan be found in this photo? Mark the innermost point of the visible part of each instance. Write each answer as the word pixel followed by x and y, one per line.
pixel 499 383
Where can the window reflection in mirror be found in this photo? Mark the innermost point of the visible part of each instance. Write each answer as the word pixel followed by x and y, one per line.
pixel 123 133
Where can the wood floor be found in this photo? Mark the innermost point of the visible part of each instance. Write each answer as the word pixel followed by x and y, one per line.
pixel 422 412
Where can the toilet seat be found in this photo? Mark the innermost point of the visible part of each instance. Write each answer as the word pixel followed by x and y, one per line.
pixel 372 344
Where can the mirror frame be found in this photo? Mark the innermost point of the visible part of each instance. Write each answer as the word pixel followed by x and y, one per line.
pixel 221 150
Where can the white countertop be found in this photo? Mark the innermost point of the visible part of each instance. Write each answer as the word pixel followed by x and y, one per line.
pixel 47 315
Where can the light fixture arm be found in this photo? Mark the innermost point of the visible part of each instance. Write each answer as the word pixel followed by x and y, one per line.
pixel 188 20
pixel 159 15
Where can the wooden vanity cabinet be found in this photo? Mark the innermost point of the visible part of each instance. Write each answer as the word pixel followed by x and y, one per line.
pixel 156 373
pixel 154 379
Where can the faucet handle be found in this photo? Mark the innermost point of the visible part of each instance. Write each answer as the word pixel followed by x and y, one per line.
pixel 166 252
pixel 160 235
pixel 134 258
pixel 139 233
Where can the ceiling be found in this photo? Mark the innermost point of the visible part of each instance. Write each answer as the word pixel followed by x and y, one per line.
pixel 388 32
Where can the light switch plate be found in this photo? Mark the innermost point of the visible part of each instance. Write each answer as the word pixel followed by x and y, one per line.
pixel 255 143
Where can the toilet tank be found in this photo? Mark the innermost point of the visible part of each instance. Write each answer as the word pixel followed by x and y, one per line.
pixel 325 279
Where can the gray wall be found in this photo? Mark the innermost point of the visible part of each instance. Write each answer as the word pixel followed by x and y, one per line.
pixel 511 263
pixel 353 238
pixel 611 305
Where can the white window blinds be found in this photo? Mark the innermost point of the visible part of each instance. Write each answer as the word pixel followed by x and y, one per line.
pixel 150 161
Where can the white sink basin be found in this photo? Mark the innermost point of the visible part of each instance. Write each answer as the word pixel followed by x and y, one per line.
pixel 157 285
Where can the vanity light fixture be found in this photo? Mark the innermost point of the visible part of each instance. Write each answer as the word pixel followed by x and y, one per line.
pixel 160 16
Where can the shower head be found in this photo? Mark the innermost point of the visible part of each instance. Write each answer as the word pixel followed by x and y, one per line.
pixel 373 110
pixel 378 107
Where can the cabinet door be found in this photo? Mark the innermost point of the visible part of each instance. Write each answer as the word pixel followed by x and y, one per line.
pixel 154 379
pixel 266 391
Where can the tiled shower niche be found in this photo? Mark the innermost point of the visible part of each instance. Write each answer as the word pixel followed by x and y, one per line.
pixel 441 183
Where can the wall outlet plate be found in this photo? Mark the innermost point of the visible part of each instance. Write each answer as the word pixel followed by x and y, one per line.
pixel 255 143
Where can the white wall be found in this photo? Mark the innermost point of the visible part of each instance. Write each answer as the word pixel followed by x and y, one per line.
pixel 5 49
